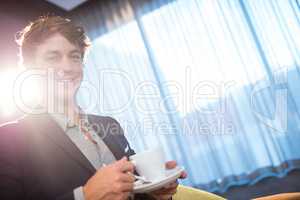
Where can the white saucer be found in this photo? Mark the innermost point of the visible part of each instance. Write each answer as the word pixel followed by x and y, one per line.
pixel 171 176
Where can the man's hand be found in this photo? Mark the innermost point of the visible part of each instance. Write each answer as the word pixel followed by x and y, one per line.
pixel 111 182
pixel 168 191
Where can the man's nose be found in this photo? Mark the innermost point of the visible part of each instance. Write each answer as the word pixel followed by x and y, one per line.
pixel 65 69
pixel 67 65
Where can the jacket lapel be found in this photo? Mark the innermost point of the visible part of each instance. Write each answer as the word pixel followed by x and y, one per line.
pixel 45 125
pixel 103 130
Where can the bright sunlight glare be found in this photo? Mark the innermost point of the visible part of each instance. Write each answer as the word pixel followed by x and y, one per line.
pixel 7 106
pixel 27 93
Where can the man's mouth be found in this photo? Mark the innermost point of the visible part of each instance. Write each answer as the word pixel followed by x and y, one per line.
pixel 69 78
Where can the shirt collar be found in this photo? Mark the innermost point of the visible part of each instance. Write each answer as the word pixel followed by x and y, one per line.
pixel 61 120
pixel 65 123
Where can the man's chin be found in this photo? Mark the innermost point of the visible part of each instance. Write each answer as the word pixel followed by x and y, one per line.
pixel 62 101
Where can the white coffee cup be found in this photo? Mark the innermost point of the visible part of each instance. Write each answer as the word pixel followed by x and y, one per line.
pixel 150 164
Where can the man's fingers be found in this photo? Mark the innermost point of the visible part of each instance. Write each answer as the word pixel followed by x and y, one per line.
pixel 121 196
pixel 165 193
pixel 125 177
pixel 171 164
pixel 124 165
pixel 127 167
pixel 122 187
pixel 167 189
pixel 183 175
pixel 171 185
pixel 165 197
pixel 127 187
pixel 125 195
pixel 170 191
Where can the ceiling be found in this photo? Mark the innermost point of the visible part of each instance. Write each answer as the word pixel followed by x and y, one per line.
pixel 67 5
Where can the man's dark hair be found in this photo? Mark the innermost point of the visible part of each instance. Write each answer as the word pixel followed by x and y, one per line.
pixel 44 27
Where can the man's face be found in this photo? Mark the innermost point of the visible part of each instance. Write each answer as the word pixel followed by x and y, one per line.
pixel 65 59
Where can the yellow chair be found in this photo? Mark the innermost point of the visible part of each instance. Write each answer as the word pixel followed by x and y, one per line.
pixel 188 193
pixel 282 196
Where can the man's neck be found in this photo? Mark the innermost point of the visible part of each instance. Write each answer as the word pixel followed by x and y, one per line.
pixel 72 112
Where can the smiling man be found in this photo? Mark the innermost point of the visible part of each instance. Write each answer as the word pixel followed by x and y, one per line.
pixel 65 155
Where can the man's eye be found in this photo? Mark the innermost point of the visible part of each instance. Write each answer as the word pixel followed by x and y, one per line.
pixel 76 58
pixel 52 59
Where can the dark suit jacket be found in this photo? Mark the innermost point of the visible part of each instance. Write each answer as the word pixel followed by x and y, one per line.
pixel 39 162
